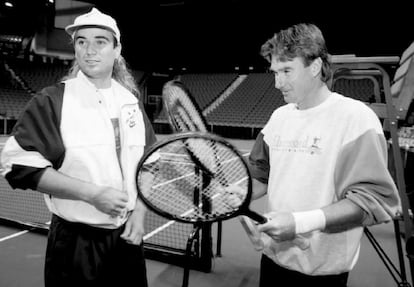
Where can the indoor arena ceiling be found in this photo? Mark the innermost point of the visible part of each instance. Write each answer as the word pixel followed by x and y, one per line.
pixel 227 33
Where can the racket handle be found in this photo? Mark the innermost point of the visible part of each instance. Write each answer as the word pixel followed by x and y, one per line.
pixel 300 241
pixel 256 217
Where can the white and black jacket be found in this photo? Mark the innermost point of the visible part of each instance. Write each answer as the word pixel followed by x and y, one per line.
pixel 67 127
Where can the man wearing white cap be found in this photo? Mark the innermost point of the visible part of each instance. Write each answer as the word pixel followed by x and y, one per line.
pixel 79 142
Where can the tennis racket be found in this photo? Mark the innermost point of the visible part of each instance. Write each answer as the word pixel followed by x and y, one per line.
pixel 183 111
pixel 184 115
pixel 186 184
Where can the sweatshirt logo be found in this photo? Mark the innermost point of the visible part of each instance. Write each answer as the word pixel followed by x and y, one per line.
pixel 309 144
pixel 315 148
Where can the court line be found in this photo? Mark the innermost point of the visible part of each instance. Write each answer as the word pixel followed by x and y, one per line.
pixel 165 225
pixel 14 235
pixel 162 227
pixel 20 233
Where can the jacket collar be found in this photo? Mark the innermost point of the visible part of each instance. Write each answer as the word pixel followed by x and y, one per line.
pixel 125 97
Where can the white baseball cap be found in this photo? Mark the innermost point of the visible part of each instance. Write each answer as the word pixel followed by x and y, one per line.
pixel 95 18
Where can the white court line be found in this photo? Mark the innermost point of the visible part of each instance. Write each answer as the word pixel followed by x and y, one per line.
pixel 159 229
pixel 14 235
pixel 19 233
pixel 162 227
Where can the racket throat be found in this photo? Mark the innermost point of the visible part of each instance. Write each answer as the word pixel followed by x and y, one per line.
pixel 201 190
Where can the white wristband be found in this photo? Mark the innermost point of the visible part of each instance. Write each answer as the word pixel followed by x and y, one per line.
pixel 307 221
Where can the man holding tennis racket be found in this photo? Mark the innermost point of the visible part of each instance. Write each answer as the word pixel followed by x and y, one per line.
pixel 322 161
pixel 79 142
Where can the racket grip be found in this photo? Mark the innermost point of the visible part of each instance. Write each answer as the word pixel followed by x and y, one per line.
pixel 256 217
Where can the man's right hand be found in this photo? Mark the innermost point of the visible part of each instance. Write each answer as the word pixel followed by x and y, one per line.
pixel 109 200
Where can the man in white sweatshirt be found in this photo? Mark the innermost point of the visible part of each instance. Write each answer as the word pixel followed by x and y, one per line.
pixel 322 161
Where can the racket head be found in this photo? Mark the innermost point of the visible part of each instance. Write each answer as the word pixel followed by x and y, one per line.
pixel 184 114
pixel 172 184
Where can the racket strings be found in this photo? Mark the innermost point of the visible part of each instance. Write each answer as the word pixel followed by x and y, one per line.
pixel 178 185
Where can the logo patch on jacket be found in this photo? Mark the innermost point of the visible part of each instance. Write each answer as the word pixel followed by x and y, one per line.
pixel 131 118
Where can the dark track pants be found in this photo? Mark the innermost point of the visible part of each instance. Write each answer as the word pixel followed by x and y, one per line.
pixel 81 255
pixel 273 275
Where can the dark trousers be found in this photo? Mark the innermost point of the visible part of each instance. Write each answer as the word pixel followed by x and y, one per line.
pixel 273 275
pixel 81 255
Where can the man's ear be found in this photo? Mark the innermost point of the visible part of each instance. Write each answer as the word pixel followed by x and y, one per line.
pixel 118 50
pixel 316 66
